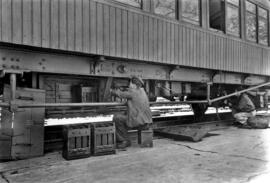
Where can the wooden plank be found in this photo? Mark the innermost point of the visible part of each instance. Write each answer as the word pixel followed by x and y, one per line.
pixel 78 25
pixel 45 9
pixel 168 44
pixel 71 25
pixel 100 14
pixel 124 40
pixel 17 22
pixel 180 33
pixel 164 42
pixel 54 24
pixel 141 37
pixel 135 36
pixel 197 49
pixel 187 41
pixel 155 34
pixel 118 33
pixel 112 32
pixel 184 46
pixel 106 29
pixel 86 26
pixel 93 30
pixel 63 26
pixel 145 37
pixel 172 59
pixel 36 22
pixel 176 44
pixel 159 34
pixel 151 41
pixel 6 21
pixel 130 34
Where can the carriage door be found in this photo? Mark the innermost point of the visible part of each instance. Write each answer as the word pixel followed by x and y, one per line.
pixel 25 133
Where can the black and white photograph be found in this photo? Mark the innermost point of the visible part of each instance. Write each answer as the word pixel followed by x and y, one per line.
pixel 134 91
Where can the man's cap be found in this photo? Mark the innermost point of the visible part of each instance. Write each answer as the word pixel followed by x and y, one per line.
pixel 137 80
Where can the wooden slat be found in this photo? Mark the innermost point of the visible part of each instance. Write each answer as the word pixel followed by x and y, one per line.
pixel 130 34
pixel 180 43
pixel 106 30
pixel 45 8
pixel 155 39
pixel 100 28
pixel 54 24
pixel 6 21
pixel 135 36
pixel 63 26
pixel 159 34
pixel 124 40
pixel 36 22
pixel 71 25
pixel 85 26
pixel 118 36
pixel 168 44
pixel 172 44
pixel 78 25
pixel 93 28
pixel 17 21
pixel 151 41
pixel 112 32
pixel 164 42
pixel 146 37
pixel 141 37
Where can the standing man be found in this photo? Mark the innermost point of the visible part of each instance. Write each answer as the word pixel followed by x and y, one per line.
pixel 244 109
pixel 138 111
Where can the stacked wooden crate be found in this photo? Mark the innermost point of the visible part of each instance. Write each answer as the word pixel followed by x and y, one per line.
pixel 103 138
pixel 77 141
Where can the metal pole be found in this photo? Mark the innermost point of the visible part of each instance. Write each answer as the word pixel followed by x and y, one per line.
pixel 100 104
pixel 239 92
pixel 13 86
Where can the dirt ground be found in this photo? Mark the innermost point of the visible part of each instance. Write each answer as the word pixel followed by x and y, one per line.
pixel 231 155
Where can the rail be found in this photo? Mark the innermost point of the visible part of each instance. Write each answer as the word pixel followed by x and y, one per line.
pixel 114 104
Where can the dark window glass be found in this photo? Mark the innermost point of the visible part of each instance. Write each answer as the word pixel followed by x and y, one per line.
pixel 251 29
pixel 262 25
pixel 217 14
pixel 165 7
pixel 191 10
pixel 233 17
pixel 136 3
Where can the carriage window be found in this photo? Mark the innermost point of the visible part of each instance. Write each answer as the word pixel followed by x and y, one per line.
pixel 165 7
pixel 251 26
pixel 216 14
pixel 136 3
pixel 191 10
pixel 262 26
pixel 233 17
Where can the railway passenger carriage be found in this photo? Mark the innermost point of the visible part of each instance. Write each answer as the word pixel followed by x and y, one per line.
pixel 70 51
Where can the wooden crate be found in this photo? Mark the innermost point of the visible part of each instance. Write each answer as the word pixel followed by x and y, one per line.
pixel 103 138
pixel 77 141
pixel 146 138
pixel 133 137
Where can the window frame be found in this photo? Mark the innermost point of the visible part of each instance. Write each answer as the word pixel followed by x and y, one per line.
pixel 176 10
pixel 129 5
pixel 185 19
pixel 234 6
pixel 258 24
